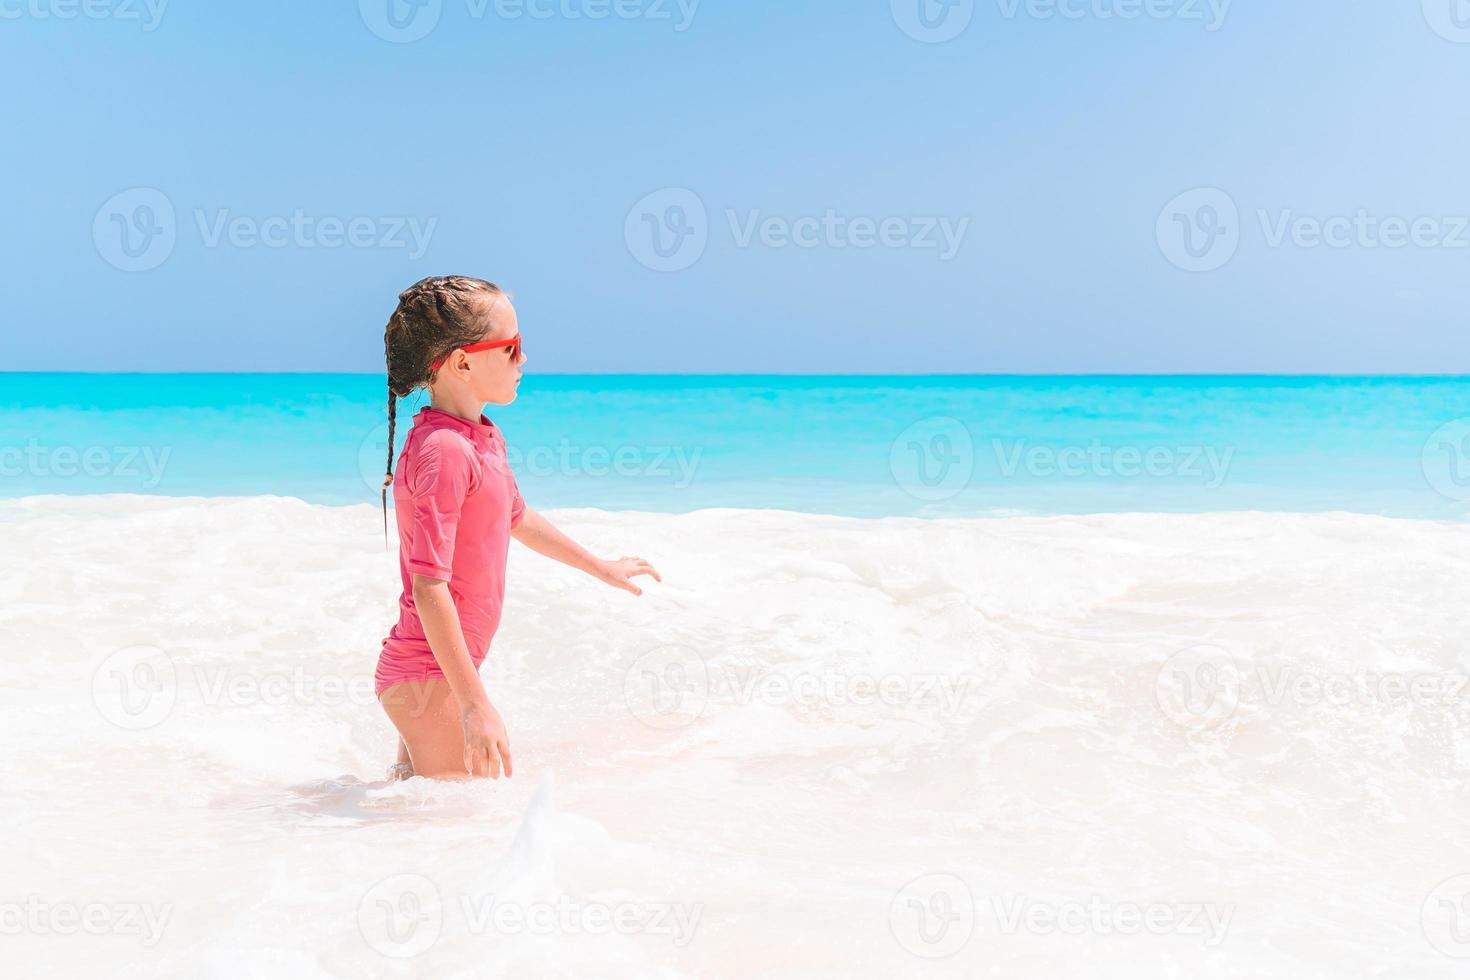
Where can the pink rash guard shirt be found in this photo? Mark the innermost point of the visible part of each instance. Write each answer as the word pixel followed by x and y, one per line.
pixel 456 502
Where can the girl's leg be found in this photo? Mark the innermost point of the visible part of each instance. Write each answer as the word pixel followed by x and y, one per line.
pixel 426 715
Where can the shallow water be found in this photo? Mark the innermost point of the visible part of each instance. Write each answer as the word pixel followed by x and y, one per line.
pixel 1129 745
pixel 863 446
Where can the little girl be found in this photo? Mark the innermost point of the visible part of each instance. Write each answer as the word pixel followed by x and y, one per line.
pixel 457 506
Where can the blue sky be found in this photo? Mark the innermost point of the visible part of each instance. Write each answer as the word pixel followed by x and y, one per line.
pixel 1061 186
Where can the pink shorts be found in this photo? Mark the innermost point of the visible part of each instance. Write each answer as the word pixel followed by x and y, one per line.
pixel 399 667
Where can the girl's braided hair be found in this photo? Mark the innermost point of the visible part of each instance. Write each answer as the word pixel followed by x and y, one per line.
pixel 435 317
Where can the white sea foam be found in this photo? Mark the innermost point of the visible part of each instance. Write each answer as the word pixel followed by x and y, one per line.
pixel 1211 745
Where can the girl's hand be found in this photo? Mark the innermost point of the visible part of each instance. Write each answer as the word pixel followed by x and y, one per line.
pixel 619 573
pixel 486 746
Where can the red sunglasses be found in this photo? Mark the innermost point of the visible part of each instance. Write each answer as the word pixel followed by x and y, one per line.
pixel 513 343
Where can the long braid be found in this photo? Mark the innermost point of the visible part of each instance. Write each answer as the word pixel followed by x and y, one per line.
pixel 434 317
pixel 388 478
pixel 395 322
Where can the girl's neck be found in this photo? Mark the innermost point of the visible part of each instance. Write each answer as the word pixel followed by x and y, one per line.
pixel 458 404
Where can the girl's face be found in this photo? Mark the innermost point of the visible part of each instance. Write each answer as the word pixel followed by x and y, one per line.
pixel 489 376
pixel 498 370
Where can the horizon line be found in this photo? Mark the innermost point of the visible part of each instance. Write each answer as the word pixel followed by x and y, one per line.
pixel 800 374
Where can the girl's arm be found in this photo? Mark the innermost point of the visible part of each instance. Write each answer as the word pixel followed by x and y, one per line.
pixel 486 745
pixel 541 536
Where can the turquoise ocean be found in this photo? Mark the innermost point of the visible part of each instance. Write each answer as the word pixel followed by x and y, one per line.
pixel 863 446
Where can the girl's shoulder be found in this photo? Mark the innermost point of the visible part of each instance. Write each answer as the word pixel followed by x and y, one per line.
pixel 441 455
pixel 444 440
